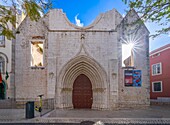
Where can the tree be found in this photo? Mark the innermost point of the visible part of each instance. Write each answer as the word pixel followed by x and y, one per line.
pixel 153 10
pixel 32 8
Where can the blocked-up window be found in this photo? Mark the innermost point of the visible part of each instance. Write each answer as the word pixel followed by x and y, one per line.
pixel 156 69
pixel 2 65
pixel 127 55
pixel 37 53
pixel 157 86
pixel 2 37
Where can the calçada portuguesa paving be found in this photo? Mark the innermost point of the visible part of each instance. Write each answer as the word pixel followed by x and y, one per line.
pixel 147 116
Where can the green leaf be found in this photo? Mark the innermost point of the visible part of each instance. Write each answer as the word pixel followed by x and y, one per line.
pixel 8 33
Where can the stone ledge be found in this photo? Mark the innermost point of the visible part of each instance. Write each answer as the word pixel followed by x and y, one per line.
pixel 105 120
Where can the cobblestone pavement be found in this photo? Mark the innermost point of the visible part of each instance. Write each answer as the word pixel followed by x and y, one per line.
pixel 149 116
pixel 150 112
pixel 9 115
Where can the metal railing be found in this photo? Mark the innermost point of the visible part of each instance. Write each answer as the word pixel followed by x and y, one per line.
pixel 47 105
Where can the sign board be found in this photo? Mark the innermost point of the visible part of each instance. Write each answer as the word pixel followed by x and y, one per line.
pixel 133 78
pixel 128 77
pixel 137 78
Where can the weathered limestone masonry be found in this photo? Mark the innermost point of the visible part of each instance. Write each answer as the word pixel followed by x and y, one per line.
pixel 69 51
pixel 132 96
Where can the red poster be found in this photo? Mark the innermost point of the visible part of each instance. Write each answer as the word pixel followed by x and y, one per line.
pixel 128 78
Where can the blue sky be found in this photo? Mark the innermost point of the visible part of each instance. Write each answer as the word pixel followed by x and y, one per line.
pixel 87 10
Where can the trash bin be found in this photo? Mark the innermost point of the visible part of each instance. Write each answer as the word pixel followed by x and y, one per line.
pixel 30 109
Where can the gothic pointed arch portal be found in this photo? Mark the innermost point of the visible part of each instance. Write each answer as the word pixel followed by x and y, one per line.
pixel 69 74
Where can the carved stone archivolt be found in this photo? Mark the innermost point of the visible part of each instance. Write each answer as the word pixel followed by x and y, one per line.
pixel 90 68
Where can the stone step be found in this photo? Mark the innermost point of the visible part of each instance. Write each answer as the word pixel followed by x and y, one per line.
pixel 116 121
pixel 93 121
pixel 5 104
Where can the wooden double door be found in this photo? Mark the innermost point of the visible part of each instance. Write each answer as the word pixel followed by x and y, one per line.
pixel 82 93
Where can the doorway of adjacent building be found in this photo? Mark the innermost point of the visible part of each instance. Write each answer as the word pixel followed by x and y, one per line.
pixel 82 93
pixel 2 90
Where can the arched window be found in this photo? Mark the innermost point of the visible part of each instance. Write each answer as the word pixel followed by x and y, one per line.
pixel 2 38
pixel 2 64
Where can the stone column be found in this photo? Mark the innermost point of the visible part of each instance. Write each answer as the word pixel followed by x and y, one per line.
pixel 113 77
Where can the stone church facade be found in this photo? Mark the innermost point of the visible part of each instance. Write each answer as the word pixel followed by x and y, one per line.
pixel 62 61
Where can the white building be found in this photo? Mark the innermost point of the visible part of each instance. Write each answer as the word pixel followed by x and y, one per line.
pixel 81 67
pixel 6 67
pixel 7 62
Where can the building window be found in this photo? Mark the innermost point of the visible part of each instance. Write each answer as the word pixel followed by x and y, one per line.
pixel 127 55
pixel 2 65
pixel 37 53
pixel 2 38
pixel 156 69
pixel 157 86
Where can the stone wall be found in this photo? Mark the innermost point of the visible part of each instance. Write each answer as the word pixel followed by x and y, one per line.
pixel 137 33
pixel 30 81
pixel 70 50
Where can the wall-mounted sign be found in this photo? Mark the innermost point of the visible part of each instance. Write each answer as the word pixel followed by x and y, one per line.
pixel 128 77
pixel 133 78
pixel 137 75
